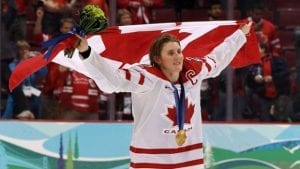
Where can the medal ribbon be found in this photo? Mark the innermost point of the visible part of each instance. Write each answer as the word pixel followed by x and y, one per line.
pixel 180 105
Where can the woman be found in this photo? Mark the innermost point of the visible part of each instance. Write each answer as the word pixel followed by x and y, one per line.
pixel 269 83
pixel 167 129
pixel 24 102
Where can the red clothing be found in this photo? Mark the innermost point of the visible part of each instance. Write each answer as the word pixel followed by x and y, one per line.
pixel 55 80
pixel 21 6
pixel 60 3
pixel 270 88
pixel 58 6
pixel 267 33
pixel 5 7
pixel 100 3
pixel 80 93
pixel 41 37
pixel 141 14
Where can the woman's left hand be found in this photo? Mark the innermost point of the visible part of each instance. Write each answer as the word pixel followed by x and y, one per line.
pixel 246 28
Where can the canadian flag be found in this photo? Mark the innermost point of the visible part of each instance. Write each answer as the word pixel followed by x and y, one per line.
pixel 128 45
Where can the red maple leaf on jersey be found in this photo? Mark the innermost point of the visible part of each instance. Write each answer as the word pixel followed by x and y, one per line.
pixel 190 109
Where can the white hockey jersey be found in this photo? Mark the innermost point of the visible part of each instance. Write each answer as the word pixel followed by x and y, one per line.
pixel 153 142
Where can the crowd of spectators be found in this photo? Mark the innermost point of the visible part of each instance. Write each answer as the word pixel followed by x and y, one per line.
pixel 262 92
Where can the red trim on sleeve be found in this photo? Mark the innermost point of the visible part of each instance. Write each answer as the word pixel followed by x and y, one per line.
pixel 127 74
pixel 142 79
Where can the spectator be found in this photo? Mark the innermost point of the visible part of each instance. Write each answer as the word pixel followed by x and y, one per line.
pixel 52 90
pixel 65 25
pixel 209 87
pixel 179 5
pixel 59 6
pixel 62 96
pixel 215 10
pixel 207 98
pixel 239 95
pixel 14 18
pixel 8 46
pixel 140 9
pixel 70 95
pixel 39 36
pixel 24 102
pixel 54 10
pixel 265 29
pixel 124 17
pixel 283 109
pixel 123 100
pixel 269 83
pixel 55 78
pixel 243 6
pixel 79 97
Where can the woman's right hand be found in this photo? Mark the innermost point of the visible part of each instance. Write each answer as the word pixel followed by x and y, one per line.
pixel 83 44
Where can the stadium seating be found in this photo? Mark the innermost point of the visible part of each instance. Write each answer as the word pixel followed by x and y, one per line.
pixel 287 39
pixel 290 56
pixel 287 17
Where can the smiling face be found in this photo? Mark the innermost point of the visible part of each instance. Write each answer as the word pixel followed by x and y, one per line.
pixel 171 58
pixel 165 54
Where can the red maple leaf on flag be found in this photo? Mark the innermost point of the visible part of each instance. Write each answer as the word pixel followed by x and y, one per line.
pixel 190 109
pixel 131 46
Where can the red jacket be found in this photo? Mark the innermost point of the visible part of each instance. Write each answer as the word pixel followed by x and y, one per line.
pixel 140 14
pixel 267 33
pixel 80 93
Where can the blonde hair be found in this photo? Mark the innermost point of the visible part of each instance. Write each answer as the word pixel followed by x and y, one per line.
pixel 22 44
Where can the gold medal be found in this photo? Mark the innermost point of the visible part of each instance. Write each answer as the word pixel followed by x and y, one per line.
pixel 181 137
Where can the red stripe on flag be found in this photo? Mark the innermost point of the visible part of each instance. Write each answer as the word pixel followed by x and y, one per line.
pixel 200 47
pixel 204 44
pixel 249 53
pixel 31 65
pixel 132 45
pixel 25 68
pixel 165 150
pixel 166 166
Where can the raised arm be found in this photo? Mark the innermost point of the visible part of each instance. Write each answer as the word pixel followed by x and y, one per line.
pixel 222 55
pixel 110 79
